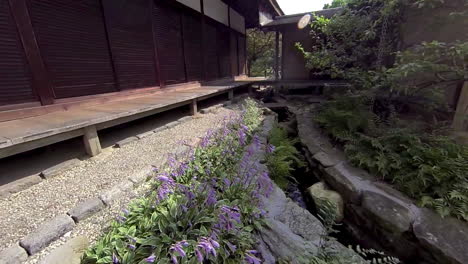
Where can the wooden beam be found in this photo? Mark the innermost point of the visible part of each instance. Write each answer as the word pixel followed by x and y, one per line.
pixel 106 18
pixel 41 83
pixel 461 113
pixel 156 50
pixel 91 141
pixel 193 107
pixel 183 45
pixel 277 55
pixel 202 35
pixel 231 95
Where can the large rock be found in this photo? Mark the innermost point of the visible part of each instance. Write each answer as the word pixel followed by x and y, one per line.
pixel 446 239
pixel 284 244
pixel 348 181
pixel 320 192
pixel 69 253
pixel 47 233
pixel 387 211
pixel 301 222
pixel 328 159
pixel 13 255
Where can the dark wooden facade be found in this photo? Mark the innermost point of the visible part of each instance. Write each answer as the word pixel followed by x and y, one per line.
pixel 53 50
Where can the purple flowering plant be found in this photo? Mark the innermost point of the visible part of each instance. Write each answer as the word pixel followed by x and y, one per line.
pixel 202 208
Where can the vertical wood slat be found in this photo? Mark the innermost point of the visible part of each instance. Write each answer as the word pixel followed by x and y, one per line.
pixel 41 81
pixel 131 42
pixel 107 28
pixel 155 46
pixel 276 55
pixel 72 38
pixel 203 39
pixel 168 33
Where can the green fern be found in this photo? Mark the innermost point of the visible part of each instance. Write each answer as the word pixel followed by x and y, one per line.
pixel 429 168
pixel 284 159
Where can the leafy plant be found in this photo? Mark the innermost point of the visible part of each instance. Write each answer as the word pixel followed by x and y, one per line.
pixel 284 157
pixel 202 209
pixel 430 168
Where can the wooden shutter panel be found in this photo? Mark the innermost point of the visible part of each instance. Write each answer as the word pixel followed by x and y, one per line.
pixel 15 77
pixel 234 58
pixel 211 52
pixel 131 41
pixel 72 39
pixel 224 51
pixel 242 58
pixel 193 47
pixel 168 31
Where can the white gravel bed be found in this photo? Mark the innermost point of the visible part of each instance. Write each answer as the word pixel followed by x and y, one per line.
pixel 23 212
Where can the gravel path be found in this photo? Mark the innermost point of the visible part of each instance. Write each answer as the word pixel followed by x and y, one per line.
pixel 23 212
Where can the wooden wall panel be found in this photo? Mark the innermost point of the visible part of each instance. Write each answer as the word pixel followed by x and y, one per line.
pixel 193 46
pixel 242 54
pixel 224 50
pixel 211 51
pixel 131 41
pixel 234 54
pixel 168 32
pixel 15 76
pixel 72 37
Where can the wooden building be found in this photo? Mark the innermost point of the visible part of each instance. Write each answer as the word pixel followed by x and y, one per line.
pixel 65 64
pixel 61 51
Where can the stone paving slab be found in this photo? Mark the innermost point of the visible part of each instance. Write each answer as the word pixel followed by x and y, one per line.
pixel 19 185
pixel 13 255
pixel 86 209
pixel 126 141
pixel 48 232
pixel 69 253
pixel 57 169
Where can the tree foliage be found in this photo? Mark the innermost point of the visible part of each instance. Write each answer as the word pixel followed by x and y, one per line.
pixel 392 121
pixel 335 3
pixel 260 52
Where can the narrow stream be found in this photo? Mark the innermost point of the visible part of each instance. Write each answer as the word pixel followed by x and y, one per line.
pixel 307 176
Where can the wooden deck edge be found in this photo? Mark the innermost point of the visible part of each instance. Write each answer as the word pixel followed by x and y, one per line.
pixel 9 147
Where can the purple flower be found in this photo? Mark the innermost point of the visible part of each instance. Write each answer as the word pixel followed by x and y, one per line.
pixel 250 258
pixel 132 247
pixel 270 148
pixel 126 212
pixel 121 219
pixel 199 255
pixel 179 248
pixel 150 259
pixel 231 247
pixel 208 245
pixel 242 137
pixel 211 198
pixel 115 260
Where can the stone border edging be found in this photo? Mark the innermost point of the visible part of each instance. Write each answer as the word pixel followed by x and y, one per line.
pixel 435 239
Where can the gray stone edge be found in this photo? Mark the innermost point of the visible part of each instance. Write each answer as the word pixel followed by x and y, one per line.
pixel 365 186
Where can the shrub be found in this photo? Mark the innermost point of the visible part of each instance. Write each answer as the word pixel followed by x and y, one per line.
pixel 200 209
pixel 284 157
pixel 430 168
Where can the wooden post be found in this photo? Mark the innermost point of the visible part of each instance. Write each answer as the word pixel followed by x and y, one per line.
pixel 41 81
pixel 231 95
pixel 193 107
pixel 461 113
pixel 277 56
pixel 91 141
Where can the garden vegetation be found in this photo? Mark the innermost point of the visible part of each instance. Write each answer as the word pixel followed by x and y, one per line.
pixel 394 120
pixel 202 209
